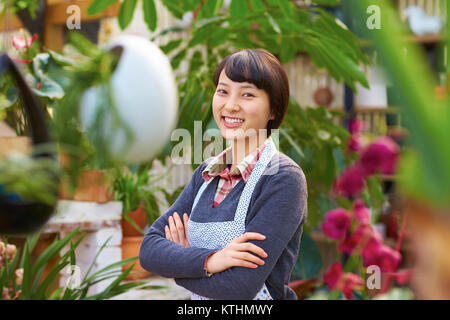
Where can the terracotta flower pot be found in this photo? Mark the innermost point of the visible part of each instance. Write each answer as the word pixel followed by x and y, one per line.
pixel 139 217
pixel 92 186
pixel 130 248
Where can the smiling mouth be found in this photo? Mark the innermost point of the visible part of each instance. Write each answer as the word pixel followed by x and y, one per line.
pixel 230 120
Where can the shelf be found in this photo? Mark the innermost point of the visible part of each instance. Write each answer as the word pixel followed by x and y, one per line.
pixel 369 109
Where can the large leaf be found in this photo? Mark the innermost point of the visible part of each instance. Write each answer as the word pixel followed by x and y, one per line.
pixel 237 9
pixel 49 89
pixel 171 45
pixel 210 9
pixel 309 261
pixel 126 13
pixel 150 15
pixel 98 6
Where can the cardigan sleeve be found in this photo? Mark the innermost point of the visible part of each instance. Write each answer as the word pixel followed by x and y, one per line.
pixel 166 258
pixel 280 212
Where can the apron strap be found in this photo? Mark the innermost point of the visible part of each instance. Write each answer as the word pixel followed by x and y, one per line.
pixel 241 213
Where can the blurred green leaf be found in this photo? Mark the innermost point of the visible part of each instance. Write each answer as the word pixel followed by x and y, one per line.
pixel 150 14
pixel 171 45
pixel 126 13
pixel 98 6
pixel 210 9
pixel 309 261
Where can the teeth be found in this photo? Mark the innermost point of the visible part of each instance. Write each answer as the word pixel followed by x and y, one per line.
pixel 229 120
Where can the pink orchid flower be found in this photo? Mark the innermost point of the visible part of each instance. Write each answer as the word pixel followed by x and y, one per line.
pixel 337 223
pixel 23 43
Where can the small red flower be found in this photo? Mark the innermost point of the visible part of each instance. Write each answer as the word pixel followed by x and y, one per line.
pixel 336 279
pixel 354 243
pixel 349 282
pixel 388 259
pixel 337 223
pixel 354 143
pixel 351 181
pixel 403 276
pixel 332 275
pixel 377 253
pixel 382 154
pixel 361 212
pixel 355 125
pixel 371 249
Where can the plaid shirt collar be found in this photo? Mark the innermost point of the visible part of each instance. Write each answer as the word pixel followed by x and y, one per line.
pixel 218 165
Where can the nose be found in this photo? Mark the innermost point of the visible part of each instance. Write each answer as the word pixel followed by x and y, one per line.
pixel 232 105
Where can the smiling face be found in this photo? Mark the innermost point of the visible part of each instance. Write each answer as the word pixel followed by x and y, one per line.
pixel 239 107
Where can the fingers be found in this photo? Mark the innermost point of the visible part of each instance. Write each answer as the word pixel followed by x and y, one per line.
pixel 168 235
pixel 243 263
pixel 186 220
pixel 180 229
pixel 248 257
pixel 176 231
pixel 247 246
pixel 250 236
pixel 173 230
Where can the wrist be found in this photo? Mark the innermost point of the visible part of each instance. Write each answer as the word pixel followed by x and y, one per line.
pixel 207 264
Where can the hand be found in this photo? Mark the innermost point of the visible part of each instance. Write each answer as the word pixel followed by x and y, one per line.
pixel 176 231
pixel 237 254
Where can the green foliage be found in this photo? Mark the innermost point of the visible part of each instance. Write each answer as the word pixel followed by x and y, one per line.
pixel 94 70
pixel 311 138
pixel 98 6
pixel 28 179
pixel 126 13
pixel 32 287
pixel 150 15
pixel 309 261
pixel 15 6
pixel 132 189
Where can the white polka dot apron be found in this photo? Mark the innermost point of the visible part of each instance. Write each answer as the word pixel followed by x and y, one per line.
pixel 216 235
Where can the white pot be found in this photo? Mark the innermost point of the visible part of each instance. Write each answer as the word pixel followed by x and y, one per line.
pixel 376 95
pixel 145 94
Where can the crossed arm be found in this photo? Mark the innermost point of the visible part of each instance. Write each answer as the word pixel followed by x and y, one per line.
pixel 241 268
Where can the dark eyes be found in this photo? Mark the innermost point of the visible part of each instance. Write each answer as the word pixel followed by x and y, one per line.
pixel 224 92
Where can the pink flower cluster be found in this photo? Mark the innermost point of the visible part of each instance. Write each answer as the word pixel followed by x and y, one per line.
pixel 379 156
pixel 363 240
pixel 22 44
pixel 336 279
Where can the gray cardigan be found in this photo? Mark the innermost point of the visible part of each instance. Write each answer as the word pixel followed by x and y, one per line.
pixel 278 210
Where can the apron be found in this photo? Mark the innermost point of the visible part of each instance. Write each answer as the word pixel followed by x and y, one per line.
pixel 216 235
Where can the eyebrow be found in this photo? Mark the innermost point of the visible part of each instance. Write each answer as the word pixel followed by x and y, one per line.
pixel 251 86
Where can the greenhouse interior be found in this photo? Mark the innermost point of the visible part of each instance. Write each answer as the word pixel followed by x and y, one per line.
pixel 116 115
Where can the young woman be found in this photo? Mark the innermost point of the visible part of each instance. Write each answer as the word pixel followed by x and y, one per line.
pixel 234 232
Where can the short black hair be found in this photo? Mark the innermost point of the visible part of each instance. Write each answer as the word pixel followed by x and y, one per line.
pixel 264 70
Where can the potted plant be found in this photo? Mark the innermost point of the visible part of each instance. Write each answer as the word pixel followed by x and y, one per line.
pixel 140 208
pixel 23 272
